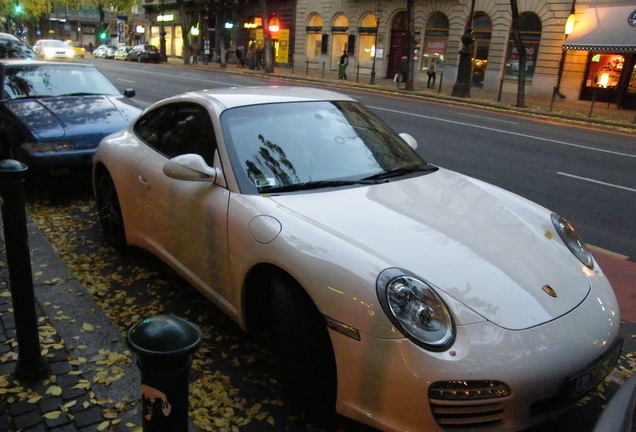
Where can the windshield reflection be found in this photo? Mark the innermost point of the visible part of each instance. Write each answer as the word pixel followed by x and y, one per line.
pixel 286 144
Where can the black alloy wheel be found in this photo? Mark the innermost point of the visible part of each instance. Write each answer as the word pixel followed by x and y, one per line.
pixel 109 211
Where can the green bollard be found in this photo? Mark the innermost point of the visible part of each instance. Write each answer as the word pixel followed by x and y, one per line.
pixel 30 365
pixel 164 345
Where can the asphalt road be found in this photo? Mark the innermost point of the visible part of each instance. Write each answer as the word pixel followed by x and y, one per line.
pixel 587 175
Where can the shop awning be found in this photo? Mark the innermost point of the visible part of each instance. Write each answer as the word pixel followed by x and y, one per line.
pixel 604 29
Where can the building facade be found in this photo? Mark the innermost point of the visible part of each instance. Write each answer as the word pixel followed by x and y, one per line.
pixel 375 35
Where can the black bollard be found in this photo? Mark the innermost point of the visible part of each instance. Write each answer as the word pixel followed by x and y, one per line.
pixel 30 364
pixel 164 345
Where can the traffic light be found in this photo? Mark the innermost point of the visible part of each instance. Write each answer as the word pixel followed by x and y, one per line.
pixel 103 34
pixel 17 8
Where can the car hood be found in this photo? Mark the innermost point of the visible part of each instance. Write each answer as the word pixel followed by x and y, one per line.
pixel 468 239
pixel 84 120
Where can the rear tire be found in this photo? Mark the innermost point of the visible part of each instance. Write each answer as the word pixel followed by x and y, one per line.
pixel 109 211
pixel 308 366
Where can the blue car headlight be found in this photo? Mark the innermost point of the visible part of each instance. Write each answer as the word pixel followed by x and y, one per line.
pixel 47 146
pixel 415 309
pixel 572 240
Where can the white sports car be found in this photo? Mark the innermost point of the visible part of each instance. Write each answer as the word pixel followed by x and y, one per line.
pixel 410 297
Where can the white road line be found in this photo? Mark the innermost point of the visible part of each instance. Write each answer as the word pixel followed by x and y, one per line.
pixel 508 132
pixel 596 181
pixel 488 118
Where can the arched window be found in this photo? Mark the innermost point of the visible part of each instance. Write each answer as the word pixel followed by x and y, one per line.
pixel 435 40
pixel 482 32
pixel 368 33
pixel 314 36
pixel 530 32
pixel 341 41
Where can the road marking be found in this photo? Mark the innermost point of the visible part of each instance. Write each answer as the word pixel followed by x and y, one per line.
pixel 488 118
pixel 125 80
pixel 607 252
pixel 596 181
pixel 507 132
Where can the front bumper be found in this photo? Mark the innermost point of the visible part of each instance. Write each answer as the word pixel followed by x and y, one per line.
pixel 385 382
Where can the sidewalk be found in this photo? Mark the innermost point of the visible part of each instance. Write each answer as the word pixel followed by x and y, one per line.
pixel 598 113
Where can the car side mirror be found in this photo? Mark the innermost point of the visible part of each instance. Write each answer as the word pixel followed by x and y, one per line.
pixel 129 92
pixel 190 167
pixel 412 142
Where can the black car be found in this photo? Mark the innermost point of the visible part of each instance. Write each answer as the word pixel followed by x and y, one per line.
pixel 144 53
pixel 54 114
pixel 13 47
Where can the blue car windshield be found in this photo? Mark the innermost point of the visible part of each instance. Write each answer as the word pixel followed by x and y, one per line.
pixel 311 145
pixel 50 80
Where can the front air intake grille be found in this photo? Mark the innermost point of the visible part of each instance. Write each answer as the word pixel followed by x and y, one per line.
pixel 465 415
pixel 468 404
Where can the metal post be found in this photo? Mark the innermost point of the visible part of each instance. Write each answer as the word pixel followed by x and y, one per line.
pixel 164 345
pixel 30 364
pixel 464 68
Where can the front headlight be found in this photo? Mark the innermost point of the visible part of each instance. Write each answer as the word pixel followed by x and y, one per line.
pixel 47 146
pixel 415 309
pixel 572 240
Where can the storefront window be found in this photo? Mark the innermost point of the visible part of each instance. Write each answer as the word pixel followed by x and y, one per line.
pixel 314 36
pixel 482 32
pixel 368 29
pixel 605 71
pixel 530 32
pixel 435 41
pixel 340 29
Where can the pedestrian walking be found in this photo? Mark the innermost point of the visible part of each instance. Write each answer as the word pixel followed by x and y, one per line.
pixel 342 65
pixel 431 72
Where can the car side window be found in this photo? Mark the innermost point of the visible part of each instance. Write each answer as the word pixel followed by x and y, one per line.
pixel 178 129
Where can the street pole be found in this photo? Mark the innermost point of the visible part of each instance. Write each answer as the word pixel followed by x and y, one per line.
pixel 464 68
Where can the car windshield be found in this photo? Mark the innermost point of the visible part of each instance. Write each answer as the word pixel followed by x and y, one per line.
pixel 53 44
pixel 28 81
pixel 288 147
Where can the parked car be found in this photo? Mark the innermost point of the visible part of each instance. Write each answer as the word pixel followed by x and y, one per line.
pixel 53 49
pixel 144 53
pixel 105 51
pixel 406 295
pixel 13 47
pixel 54 114
pixel 122 53
pixel 77 48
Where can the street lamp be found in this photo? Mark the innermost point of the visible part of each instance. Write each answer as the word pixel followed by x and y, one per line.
pixel 378 11
pixel 462 86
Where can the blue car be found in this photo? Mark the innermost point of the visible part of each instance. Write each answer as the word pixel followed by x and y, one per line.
pixel 53 114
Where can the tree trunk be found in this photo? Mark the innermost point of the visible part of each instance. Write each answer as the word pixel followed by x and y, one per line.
pixel 521 80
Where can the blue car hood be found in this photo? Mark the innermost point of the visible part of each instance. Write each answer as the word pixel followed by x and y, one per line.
pixel 83 120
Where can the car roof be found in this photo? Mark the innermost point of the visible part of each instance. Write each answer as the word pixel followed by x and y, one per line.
pixel 232 97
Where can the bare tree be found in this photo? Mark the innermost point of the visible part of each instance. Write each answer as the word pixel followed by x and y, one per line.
pixel 521 49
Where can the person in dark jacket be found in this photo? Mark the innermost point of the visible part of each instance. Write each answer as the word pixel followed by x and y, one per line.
pixel 342 65
pixel 404 66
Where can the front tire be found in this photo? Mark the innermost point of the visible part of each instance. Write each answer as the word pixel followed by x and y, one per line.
pixel 308 366
pixel 109 211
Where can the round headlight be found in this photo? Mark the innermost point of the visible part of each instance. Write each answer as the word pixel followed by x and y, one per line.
pixel 572 240
pixel 415 309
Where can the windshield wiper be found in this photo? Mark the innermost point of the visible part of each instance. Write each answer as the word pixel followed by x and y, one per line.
pixel 400 171
pixel 316 185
